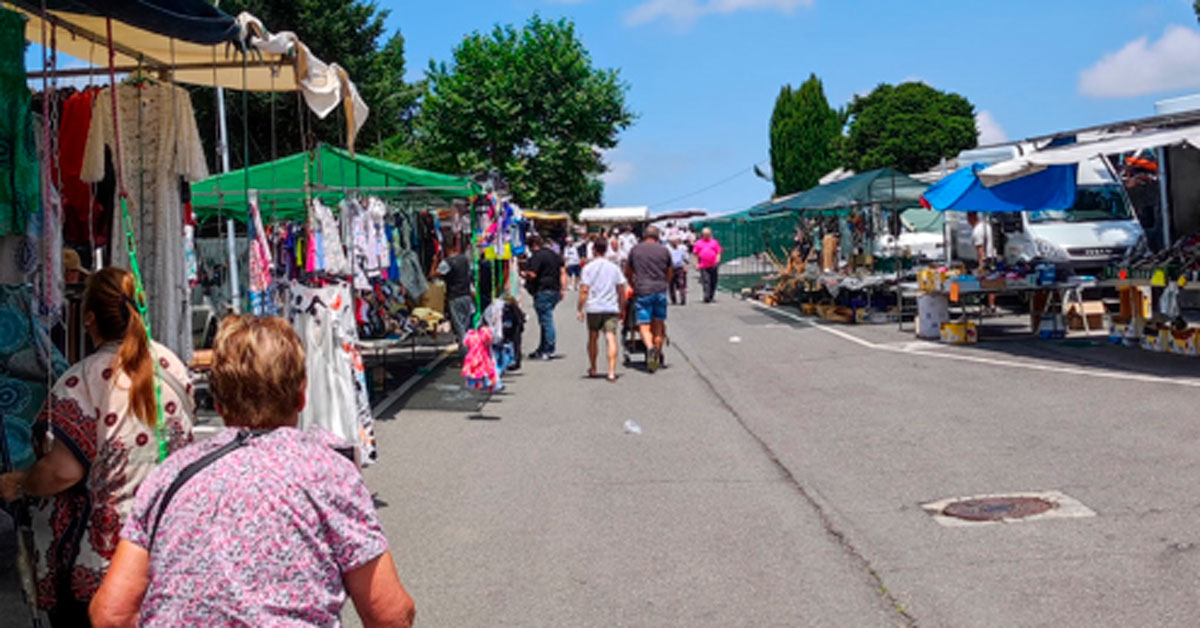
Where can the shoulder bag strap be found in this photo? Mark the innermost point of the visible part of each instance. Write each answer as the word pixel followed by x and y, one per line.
pixel 192 469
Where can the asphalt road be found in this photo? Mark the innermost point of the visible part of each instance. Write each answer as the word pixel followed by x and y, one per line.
pixel 779 482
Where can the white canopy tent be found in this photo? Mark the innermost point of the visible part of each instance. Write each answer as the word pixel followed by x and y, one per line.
pixel 614 215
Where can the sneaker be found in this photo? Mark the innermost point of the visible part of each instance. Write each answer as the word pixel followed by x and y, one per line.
pixel 546 357
pixel 652 361
pixel 536 355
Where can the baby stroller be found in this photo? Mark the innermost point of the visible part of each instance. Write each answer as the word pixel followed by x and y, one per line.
pixel 631 339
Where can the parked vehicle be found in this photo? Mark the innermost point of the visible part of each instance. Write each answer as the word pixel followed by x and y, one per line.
pixel 1099 227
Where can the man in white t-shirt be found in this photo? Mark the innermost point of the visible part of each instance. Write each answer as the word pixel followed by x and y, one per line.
pixel 601 300
pixel 981 239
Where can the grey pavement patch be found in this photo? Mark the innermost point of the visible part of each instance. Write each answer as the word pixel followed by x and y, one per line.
pixel 1062 507
pixel 831 529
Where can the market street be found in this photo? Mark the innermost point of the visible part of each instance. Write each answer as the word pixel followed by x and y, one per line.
pixel 779 480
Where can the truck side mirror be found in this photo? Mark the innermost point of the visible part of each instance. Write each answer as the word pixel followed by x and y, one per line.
pixel 1011 222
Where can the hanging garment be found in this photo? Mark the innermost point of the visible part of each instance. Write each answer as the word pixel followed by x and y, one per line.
pixel 380 246
pixel 20 179
pixel 159 145
pixel 87 212
pixel 337 389
pixel 356 231
pixel 259 269
pixel 46 230
pixel 25 371
pixel 329 240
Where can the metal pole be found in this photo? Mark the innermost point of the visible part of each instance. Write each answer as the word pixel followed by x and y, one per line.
pixel 1164 194
pixel 223 148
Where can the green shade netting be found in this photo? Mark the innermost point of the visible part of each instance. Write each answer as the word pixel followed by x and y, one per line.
pixel 331 170
pixel 742 235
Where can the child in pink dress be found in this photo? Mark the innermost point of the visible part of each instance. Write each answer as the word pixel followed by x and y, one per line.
pixel 478 366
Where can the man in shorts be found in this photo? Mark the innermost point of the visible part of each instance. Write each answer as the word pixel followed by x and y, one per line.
pixel 601 299
pixel 650 271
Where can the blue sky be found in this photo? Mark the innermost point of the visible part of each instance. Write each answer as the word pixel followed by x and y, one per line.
pixel 703 74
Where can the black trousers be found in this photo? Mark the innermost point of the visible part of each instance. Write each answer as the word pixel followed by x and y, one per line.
pixel 708 279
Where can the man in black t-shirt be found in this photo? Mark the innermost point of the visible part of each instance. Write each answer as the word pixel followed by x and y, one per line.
pixel 545 278
pixel 460 302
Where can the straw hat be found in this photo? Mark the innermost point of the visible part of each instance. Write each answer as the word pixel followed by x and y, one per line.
pixel 71 261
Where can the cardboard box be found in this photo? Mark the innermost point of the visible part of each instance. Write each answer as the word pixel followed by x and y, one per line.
pixel 1093 310
pixel 435 297
pixel 960 333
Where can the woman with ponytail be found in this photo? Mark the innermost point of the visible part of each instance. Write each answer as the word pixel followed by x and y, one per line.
pixel 108 421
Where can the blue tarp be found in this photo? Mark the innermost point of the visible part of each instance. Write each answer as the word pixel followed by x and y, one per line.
pixel 1052 188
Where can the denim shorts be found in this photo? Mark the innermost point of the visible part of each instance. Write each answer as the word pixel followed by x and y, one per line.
pixel 650 307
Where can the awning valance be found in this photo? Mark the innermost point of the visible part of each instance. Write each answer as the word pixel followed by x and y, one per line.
pixel 1075 153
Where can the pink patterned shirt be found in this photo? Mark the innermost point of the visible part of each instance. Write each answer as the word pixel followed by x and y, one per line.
pixel 261 537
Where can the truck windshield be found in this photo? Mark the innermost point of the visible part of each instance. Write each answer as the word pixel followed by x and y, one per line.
pixel 1092 203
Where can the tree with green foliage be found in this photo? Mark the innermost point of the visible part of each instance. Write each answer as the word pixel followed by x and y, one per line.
pixel 346 33
pixel 529 104
pixel 909 126
pixel 804 135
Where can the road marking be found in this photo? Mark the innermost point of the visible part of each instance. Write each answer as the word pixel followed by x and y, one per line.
pixel 909 349
pixel 378 409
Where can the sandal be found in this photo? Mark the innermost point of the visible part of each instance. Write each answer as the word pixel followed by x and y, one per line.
pixel 591 373
pixel 612 378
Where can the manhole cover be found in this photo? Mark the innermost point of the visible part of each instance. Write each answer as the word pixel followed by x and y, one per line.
pixel 997 508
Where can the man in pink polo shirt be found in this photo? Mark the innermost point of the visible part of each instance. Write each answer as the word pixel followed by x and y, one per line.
pixel 708 257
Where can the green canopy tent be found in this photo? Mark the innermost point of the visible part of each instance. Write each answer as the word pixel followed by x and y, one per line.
pixel 331 173
pixel 887 187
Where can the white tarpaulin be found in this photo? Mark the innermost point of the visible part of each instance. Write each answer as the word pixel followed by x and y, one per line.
pixel 614 214
pixel 277 62
pixel 1076 153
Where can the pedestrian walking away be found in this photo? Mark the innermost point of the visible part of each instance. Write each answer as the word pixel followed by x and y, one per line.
pixel 545 278
pixel 573 262
pixel 261 524
pixel 114 415
pixel 649 270
pixel 601 301
pixel 455 270
pixel 679 267
pixel 708 258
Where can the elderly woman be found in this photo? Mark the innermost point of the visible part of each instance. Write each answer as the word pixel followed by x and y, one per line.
pixel 261 525
pixel 109 420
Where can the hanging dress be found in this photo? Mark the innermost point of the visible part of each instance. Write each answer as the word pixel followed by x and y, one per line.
pixel 159 145
pixel 20 181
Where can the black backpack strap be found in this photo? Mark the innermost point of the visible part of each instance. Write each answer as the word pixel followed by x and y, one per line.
pixel 192 469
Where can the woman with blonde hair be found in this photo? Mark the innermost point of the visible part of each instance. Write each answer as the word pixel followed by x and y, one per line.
pixel 110 419
pixel 260 525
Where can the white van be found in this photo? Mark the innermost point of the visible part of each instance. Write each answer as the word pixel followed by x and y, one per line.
pixel 1098 228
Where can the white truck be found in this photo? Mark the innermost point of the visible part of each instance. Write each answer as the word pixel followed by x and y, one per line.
pixel 1085 237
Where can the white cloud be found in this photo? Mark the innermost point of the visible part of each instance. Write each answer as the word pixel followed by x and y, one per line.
pixel 1141 67
pixel 684 13
pixel 619 172
pixel 990 131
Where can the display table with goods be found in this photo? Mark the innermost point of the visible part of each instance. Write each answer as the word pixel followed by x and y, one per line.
pixel 1056 304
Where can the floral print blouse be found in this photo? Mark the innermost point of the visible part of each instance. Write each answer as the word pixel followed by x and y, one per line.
pixel 260 537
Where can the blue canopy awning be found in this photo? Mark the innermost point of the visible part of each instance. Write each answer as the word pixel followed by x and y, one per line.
pixel 1052 188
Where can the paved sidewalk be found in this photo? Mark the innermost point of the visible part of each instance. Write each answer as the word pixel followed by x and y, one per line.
pixel 538 510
